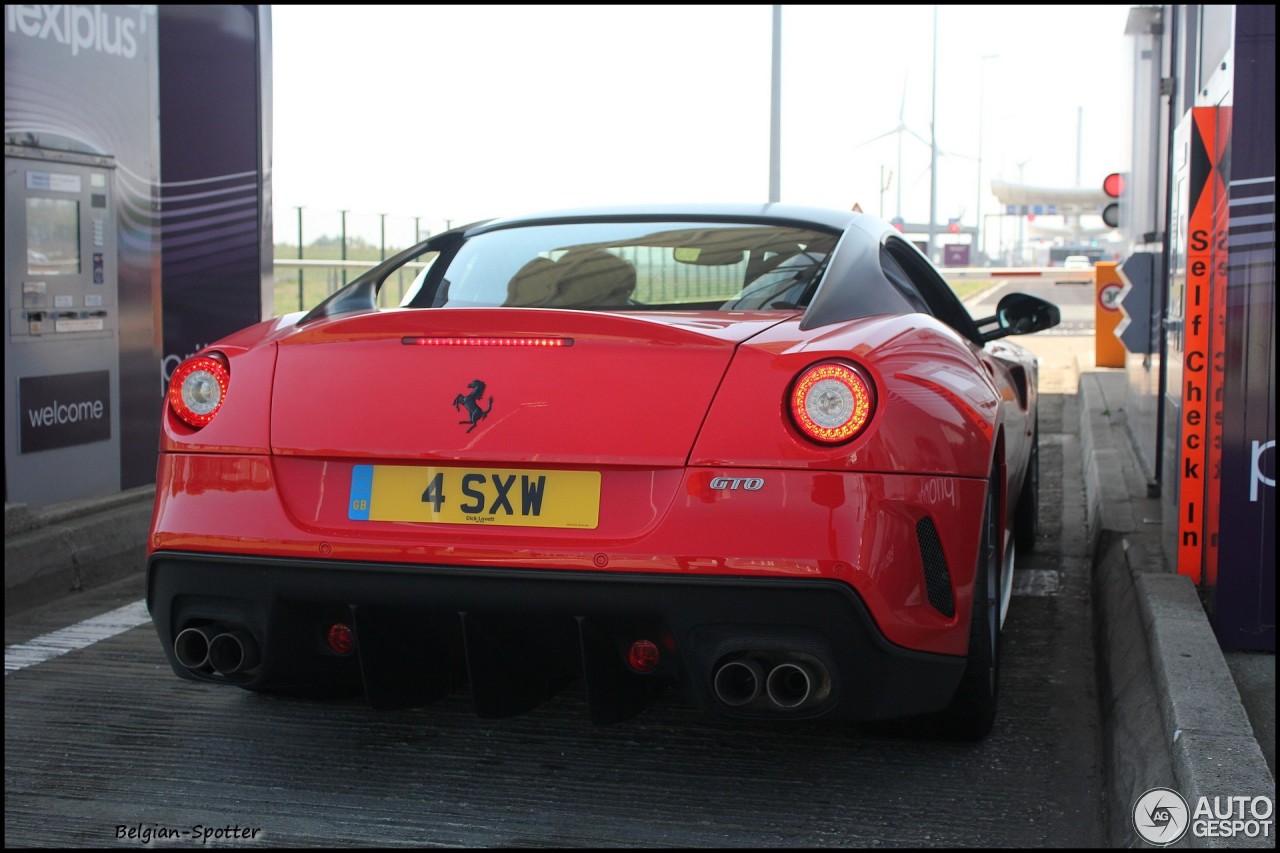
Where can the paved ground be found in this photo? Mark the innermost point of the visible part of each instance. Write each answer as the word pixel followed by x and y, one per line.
pixel 1211 715
pixel 1178 713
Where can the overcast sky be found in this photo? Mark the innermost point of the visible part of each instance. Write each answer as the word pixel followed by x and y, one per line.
pixel 469 112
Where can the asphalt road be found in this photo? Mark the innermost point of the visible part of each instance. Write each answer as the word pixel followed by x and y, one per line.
pixel 105 741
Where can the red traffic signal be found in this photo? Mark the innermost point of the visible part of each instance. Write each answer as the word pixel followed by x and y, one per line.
pixel 953 226
pixel 1113 186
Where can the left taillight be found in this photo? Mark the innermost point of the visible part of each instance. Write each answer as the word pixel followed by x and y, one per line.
pixel 832 402
pixel 198 387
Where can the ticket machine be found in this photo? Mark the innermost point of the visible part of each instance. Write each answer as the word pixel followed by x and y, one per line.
pixel 61 342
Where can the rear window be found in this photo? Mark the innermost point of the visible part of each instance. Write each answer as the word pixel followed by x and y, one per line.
pixel 630 266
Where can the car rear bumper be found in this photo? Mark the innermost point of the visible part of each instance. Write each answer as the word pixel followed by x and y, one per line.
pixel 517 635
pixel 906 544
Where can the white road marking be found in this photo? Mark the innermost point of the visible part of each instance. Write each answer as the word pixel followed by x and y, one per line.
pixel 78 636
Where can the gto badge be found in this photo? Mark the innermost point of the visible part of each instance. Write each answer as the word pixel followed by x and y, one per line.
pixel 472 404
pixel 749 484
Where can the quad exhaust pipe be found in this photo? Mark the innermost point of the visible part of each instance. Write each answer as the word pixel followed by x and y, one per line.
pixel 788 686
pixel 191 647
pixel 739 682
pixel 233 652
pixel 226 651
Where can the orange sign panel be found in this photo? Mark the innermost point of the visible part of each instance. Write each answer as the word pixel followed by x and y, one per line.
pixel 1203 358
pixel 1109 351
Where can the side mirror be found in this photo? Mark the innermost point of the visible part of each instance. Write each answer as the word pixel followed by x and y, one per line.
pixel 1020 314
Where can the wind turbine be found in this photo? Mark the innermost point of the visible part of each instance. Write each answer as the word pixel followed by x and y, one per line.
pixel 899 130
pixel 903 128
pixel 1022 220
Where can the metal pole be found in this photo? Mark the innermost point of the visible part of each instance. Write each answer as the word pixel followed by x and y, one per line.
pixel 933 144
pixel 417 231
pixel 343 245
pixel 1022 220
pixel 982 121
pixel 1079 143
pixel 1166 254
pixel 898 212
pixel 382 237
pixel 1076 235
pixel 300 300
pixel 775 112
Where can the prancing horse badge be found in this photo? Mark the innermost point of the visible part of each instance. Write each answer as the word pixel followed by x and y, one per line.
pixel 472 404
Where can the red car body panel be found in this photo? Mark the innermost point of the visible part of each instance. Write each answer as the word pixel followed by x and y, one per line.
pixel 853 528
pixel 655 516
pixel 684 415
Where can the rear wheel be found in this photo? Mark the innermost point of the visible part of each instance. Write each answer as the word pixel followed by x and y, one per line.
pixel 1026 517
pixel 973 710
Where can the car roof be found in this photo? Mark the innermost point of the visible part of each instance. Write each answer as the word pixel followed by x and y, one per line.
pixel 837 220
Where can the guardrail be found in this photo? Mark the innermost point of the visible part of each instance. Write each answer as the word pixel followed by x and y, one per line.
pixel 1054 274
pixel 309 288
pixel 310 263
pixel 319 278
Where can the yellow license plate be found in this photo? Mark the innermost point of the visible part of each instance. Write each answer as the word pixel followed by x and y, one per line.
pixel 497 496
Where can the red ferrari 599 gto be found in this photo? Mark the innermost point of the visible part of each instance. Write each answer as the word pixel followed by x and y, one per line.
pixel 762 455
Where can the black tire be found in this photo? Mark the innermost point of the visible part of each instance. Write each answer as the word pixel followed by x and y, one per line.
pixel 1026 517
pixel 973 710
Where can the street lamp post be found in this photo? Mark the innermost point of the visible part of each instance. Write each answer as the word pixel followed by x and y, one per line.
pixel 343 244
pixel 1022 217
pixel 986 226
pixel 933 146
pixel 775 111
pixel 300 286
pixel 982 116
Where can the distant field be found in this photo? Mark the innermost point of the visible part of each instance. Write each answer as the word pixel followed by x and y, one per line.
pixel 965 289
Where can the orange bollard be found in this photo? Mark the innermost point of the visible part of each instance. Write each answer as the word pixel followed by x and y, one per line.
pixel 1108 349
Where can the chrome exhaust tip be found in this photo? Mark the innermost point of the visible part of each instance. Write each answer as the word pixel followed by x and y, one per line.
pixel 738 682
pixel 790 684
pixel 232 652
pixel 191 646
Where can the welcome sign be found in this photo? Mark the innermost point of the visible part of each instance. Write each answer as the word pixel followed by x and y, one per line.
pixel 63 411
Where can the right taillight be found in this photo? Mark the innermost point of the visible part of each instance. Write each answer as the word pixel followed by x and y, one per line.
pixel 832 402
pixel 197 389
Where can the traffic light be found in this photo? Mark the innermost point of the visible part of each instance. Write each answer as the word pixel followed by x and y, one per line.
pixel 953 225
pixel 897 222
pixel 1113 186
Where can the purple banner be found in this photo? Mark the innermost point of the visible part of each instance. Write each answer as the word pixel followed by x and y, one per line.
pixel 1245 598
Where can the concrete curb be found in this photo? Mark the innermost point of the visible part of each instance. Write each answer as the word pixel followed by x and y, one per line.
pixel 1172 713
pixel 73 546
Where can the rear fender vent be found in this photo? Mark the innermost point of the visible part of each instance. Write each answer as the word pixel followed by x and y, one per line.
pixel 936 577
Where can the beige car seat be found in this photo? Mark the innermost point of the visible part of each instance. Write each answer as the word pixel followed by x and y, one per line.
pixel 534 285
pixel 593 279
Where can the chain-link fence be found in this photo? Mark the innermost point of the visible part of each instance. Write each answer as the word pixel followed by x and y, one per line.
pixel 318 251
